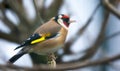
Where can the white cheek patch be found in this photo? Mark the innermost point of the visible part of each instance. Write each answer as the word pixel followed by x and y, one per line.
pixel 62 24
pixel 60 16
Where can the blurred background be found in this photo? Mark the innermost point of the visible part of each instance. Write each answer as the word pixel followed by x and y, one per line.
pixel 94 35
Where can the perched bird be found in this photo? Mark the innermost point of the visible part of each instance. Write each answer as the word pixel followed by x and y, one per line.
pixel 46 39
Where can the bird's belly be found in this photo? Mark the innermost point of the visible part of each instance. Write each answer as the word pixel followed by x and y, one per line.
pixel 47 47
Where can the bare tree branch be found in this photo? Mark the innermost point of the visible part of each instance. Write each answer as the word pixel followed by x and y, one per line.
pixel 111 36
pixel 92 50
pixel 9 37
pixel 53 9
pixel 112 9
pixel 49 12
pixel 19 11
pixel 80 32
pixel 38 12
pixel 68 66
pixel 7 21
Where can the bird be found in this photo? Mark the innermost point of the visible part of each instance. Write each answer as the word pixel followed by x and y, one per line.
pixel 46 39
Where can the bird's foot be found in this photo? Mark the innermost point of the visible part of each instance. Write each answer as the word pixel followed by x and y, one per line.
pixel 51 60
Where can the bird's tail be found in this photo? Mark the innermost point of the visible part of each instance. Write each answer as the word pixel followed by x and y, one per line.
pixel 16 57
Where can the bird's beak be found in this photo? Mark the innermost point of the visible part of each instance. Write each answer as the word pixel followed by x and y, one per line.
pixel 72 21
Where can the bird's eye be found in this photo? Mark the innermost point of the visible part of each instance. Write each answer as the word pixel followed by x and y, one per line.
pixel 66 19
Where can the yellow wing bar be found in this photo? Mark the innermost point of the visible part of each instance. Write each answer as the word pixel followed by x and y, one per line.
pixel 38 40
pixel 41 38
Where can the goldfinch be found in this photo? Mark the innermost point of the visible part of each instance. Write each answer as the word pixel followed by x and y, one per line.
pixel 46 39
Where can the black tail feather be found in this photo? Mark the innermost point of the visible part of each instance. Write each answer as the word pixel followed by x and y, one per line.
pixel 18 47
pixel 15 57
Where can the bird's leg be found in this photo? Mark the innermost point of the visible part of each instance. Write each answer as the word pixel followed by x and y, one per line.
pixel 51 60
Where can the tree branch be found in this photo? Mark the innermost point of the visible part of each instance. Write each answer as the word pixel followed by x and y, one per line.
pixel 81 30
pixel 112 36
pixel 37 12
pixel 68 66
pixel 92 50
pixel 16 7
pixel 53 9
pixel 6 20
pixel 9 37
pixel 112 9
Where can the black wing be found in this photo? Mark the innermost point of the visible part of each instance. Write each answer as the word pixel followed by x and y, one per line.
pixel 29 40
pixel 34 37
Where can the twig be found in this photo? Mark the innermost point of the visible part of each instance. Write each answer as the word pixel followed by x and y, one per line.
pixel 53 9
pixel 17 9
pixel 116 67
pixel 112 9
pixel 6 20
pixel 92 50
pixel 81 30
pixel 9 37
pixel 111 36
pixel 38 12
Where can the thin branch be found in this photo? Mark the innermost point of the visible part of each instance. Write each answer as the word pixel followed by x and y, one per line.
pixel 104 39
pixel 112 9
pixel 81 30
pixel 10 25
pixel 17 9
pixel 68 66
pixel 9 37
pixel 6 20
pixel 111 36
pixel 98 42
pixel 13 28
pixel 93 49
pixel 38 12
pixel 116 67
pixel 53 9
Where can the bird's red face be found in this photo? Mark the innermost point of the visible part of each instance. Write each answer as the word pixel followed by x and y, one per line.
pixel 63 20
